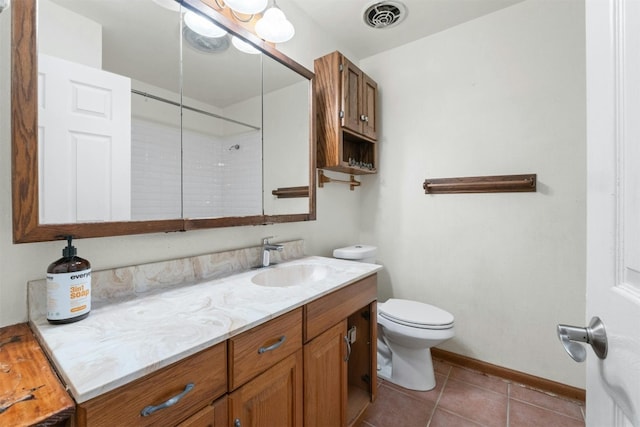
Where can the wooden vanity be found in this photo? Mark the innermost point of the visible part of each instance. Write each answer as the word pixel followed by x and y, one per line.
pixel 225 352
pixel 294 370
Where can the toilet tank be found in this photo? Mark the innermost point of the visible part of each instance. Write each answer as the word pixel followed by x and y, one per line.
pixel 360 253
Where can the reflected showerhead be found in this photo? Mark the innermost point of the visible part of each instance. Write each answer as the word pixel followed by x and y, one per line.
pixel 234 147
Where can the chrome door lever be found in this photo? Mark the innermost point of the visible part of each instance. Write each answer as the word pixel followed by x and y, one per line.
pixel 594 334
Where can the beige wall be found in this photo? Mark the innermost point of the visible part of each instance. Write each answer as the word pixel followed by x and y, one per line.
pixel 498 95
pixel 337 222
pixel 503 94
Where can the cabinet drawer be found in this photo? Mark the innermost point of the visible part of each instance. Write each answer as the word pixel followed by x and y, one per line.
pixel 207 371
pixel 321 314
pixel 254 351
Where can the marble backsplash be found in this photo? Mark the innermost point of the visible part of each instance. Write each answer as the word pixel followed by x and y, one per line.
pixel 121 282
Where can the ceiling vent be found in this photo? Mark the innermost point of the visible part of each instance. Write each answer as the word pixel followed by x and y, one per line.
pixel 385 14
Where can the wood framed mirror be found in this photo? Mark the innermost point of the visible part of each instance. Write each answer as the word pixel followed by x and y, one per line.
pixel 28 225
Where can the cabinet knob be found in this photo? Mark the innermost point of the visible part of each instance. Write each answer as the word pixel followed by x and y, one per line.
pixel 364 118
pixel 236 423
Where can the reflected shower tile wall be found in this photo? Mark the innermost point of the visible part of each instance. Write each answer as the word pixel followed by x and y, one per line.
pixel 217 181
pixel 242 190
pixel 155 171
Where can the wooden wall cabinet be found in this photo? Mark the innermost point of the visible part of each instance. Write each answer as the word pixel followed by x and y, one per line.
pixel 346 116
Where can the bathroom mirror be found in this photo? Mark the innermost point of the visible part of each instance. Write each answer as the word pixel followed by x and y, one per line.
pixel 198 154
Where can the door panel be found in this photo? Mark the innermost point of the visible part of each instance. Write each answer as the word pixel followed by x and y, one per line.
pixel 273 398
pixel 84 143
pixel 325 378
pixel 351 96
pixel 613 208
pixel 369 97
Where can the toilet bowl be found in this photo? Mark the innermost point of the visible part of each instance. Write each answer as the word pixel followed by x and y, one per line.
pixel 406 332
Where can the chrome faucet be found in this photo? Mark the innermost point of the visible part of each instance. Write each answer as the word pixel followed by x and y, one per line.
pixel 266 248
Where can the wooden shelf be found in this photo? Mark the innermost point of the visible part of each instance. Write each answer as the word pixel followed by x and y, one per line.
pixel 359 400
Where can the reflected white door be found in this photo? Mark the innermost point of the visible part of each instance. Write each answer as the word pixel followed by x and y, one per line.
pixel 613 208
pixel 84 142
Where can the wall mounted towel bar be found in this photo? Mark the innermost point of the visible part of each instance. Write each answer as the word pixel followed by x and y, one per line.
pixel 291 192
pixel 322 179
pixel 481 184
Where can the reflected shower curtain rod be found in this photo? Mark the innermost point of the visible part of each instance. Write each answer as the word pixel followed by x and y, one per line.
pixel 186 107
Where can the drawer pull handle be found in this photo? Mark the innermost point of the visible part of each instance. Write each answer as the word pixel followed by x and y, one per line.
pixel 175 399
pixel 272 346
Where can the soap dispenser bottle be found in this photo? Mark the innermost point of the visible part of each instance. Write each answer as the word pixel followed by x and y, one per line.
pixel 68 287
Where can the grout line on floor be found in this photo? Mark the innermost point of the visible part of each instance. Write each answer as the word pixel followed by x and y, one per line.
pixel 508 402
pixel 548 409
pixel 444 384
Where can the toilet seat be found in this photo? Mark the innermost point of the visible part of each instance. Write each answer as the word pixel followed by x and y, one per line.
pixel 415 314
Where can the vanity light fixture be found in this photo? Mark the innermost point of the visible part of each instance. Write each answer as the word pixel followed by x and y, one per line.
pixel 243 46
pixel 168 4
pixel 202 25
pixel 274 26
pixel 247 7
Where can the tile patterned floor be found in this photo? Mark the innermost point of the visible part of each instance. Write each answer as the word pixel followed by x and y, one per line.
pixel 464 397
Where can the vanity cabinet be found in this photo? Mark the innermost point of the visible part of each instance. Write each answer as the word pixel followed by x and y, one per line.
pixel 312 366
pixel 346 116
pixel 199 380
pixel 340 369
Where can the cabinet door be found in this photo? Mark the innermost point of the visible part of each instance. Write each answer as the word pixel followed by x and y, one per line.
pixel 274 398
pixel 214 415
pixel 369 105
pixel 325 378
pixel 351 96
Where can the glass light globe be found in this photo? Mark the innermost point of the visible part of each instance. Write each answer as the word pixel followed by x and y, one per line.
pixel 168 4
pixel 202 25
pixel 274 26
pixel 243 46
pixel 248 7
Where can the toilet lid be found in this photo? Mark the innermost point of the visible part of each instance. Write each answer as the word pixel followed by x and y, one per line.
pixel 416 314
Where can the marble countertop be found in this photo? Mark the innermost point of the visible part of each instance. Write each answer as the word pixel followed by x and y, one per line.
pixel 126 338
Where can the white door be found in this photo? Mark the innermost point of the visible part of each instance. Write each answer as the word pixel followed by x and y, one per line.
pixel 84 142
pixel 613 208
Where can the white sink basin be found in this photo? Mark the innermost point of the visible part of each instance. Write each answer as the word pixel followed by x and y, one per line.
pixel 291 275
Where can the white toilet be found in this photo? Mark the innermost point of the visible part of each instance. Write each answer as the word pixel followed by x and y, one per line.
pixel 406 332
